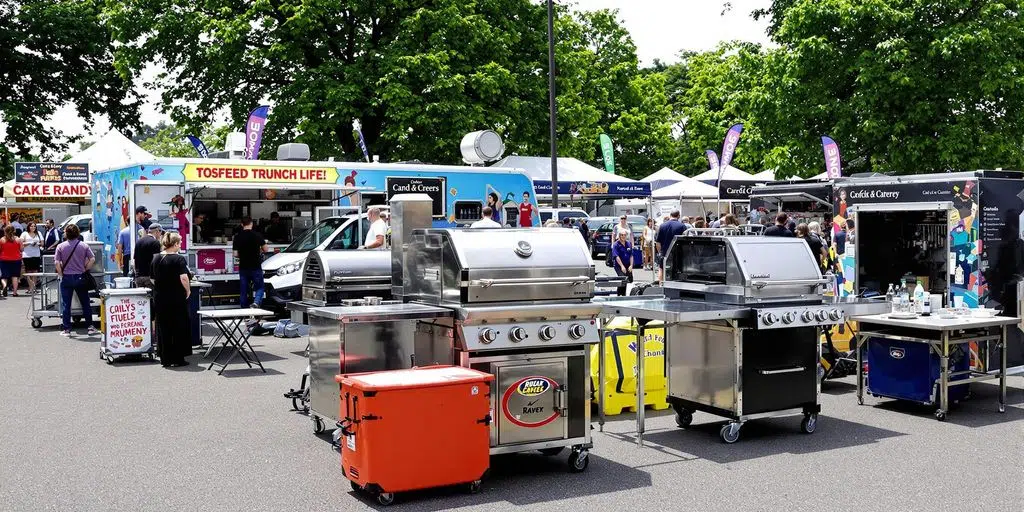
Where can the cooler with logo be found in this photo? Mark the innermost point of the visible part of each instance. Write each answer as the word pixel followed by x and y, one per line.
pixel 909 370
pixel 417 428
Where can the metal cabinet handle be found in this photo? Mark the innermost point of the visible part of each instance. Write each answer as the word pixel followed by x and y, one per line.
pixel 784 370
pixel 486 283
pixel 560 401
pixel 762 284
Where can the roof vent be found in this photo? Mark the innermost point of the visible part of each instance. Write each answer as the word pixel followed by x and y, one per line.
pixel 481 147
pixel 293 151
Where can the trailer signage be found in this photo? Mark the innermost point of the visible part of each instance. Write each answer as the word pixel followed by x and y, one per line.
pixel 212 172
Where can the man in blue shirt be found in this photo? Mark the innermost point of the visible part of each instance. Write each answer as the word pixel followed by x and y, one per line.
pixel 666 233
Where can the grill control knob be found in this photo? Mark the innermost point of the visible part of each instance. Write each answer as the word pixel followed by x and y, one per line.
pixel 835 315
pixel 488 335
pixel 547 332
pixel 821 315
pixel 576 331
pixel 770 319
pixel 789 318
pixel 517 334
pixel 807 316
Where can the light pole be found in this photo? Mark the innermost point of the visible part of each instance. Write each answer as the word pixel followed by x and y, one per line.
pixel 552 104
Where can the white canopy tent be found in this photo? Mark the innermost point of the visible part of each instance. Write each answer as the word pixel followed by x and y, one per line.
pixel 112 150
pixel 687 188
pixel 729 173
pixel 664 177
pixel 768 175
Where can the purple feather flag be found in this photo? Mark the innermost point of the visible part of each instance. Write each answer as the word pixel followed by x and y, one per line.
pixel 712 159
pixel 732 139
pixel 254 131
pixel 833 162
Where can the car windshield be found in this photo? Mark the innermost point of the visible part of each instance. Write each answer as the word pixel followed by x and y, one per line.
pixel 316 235
pixel 571 214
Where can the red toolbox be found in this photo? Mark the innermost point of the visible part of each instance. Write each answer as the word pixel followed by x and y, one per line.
pixel 404 430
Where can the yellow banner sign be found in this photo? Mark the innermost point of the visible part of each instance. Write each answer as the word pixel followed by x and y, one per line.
pixel 214 172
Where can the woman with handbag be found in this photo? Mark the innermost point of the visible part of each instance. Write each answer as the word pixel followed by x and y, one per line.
pixel 171 290
pixel 10 260
pixel 73 260
pixel 622 254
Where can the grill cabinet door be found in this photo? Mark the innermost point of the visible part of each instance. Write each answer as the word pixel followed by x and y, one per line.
pixel 529 404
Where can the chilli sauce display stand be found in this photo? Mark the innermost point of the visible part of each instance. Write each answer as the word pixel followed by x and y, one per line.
pixel 955 233
pixel 127 323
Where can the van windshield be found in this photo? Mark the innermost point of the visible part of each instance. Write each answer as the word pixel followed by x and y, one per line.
pixel 316 235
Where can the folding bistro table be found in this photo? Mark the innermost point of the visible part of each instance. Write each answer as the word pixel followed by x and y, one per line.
pixel 234 333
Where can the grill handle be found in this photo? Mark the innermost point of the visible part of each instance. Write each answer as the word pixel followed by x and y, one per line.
pixel 788 282
pixel 516 281
pixel 784 370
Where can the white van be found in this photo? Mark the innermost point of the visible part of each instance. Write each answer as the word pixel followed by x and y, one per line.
pixel 560 214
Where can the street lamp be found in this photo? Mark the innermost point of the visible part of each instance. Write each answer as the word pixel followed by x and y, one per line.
pixel 552 105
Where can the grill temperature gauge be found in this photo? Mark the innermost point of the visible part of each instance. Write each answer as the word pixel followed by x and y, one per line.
pixel 517 334
pixel 576 331
pixel 546 332
pixel 487 336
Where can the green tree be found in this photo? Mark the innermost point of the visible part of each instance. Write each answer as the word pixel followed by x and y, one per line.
pixel 417 75
pixel 904 86
pixel 54 53
pixel 168 140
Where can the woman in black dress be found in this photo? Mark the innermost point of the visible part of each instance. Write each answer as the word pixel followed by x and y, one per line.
pixel 170 294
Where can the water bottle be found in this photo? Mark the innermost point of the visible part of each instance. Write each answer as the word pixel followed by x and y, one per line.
pixel 919 297
pixel 904 299
pixel 891 294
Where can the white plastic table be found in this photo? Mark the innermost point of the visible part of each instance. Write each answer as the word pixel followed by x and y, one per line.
pixel 235 333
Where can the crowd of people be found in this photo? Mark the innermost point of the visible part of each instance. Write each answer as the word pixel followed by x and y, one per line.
pixel 22 246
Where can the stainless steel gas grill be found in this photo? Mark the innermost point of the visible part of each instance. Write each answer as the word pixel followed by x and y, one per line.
pixel 521 309
pixel 330 277
pixel 516 303
pixel 742 317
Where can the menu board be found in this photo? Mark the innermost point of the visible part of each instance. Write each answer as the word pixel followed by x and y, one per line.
pixel 51 172
pixel 433 187
pixel 127 324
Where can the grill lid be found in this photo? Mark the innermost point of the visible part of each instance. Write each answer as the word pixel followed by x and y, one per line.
pixel 499 265
pixel 337 269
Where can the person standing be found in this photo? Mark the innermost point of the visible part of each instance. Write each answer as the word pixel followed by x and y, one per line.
pixel 585 231
pixel 668 231
pixel 124 248
pixel 142 217
pixel 73 259
pixel 851 229
pixel 817 248
pixel 248 247
pixel 19 228
pixel 648 240
pixel 487 220
pixel 31 252
pixel 376 237
pixel 146 248
pixel 10 260
pixel 622 226
pixel 171 291
pixel 779 229
pixel 526 211
pixel 622 254
pixel 52 237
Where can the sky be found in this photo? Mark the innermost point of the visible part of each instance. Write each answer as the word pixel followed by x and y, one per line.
pixel 660 29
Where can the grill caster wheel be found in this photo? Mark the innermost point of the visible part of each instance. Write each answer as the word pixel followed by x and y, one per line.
pixel 684 418
pixel 355 486
pixel 578 461
pixel 110 359
pixel 809 423
pixel 318 425
pixel 386 498
pixel 474 487
pixel 37 323
pixel 730 433
pixel 940 415
pixel 551 452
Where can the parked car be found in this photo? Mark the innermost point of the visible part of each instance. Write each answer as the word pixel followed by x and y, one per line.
pixel 560 214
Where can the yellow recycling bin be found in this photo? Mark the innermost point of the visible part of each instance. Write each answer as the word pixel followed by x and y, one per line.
pixel 620 346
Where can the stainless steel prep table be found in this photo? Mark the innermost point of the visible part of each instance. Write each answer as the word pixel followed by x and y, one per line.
pixel 942 337
pixel 674 311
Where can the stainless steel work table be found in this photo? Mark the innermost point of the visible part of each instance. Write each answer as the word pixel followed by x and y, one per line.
pixel 939 334
pixel 406 311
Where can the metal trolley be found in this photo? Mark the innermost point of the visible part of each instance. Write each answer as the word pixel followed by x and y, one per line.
pixel 46 303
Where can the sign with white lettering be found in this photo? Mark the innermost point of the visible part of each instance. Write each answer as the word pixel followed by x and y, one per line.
pixel 433 187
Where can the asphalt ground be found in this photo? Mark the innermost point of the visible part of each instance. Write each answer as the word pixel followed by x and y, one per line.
pixel 79 434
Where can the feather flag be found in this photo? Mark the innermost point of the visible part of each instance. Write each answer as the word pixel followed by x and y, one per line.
pixel 833 162
pixel 732 139
pixel 712 159
pixel 200 147
pixel 254 131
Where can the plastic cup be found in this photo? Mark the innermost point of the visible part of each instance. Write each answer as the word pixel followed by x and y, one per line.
pixel 958 301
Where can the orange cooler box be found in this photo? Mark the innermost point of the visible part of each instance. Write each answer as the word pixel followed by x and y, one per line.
pixel 414 429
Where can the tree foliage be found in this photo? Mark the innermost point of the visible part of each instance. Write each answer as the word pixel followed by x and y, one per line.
pixel 54 53
pixel 168 140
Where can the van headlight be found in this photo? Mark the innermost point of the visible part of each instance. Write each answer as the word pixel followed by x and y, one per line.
pixel 289 269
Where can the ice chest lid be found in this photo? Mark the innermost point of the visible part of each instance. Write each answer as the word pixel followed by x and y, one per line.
pixel 426 377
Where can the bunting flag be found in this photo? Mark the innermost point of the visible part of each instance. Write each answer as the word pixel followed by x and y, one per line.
pixel 833 162
pixel 732 139
pixel 200 147
pixel 712 159
pixel 254 131
pixel 607 153
pixel 362 144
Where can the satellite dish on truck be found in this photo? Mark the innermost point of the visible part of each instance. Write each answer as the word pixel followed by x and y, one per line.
pixel 481 147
